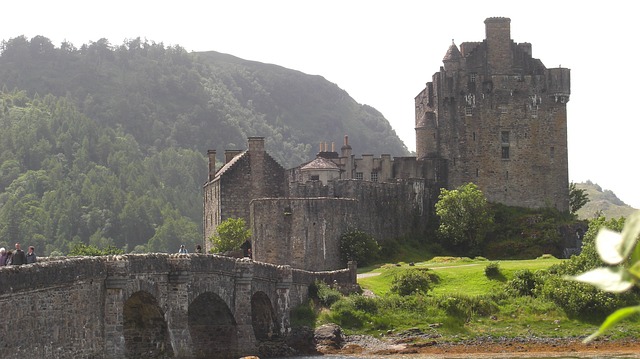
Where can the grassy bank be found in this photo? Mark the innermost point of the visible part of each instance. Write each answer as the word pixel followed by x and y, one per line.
pixel 463 303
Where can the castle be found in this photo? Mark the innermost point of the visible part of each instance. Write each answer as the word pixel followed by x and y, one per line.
pixel 493 115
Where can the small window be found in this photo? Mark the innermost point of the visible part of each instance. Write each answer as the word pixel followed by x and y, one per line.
pixel 374 176
pixel 474 136
pixel 504 135
pixel 477 172
pixel 552 152
pixel 315 177
pixel 534 111
pixel 503 109
pixel 468 111
pixel 472 77
pixel 359 176
pixel 505 152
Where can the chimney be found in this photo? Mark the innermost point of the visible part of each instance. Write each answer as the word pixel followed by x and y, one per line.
pixel 212 164
pixel 230 154
pixel 498 32
pixel 333 147
pixel 256 144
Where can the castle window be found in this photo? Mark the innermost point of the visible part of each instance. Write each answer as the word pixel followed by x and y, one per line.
pixel 503 109
pixel 534 111
pixel 504 138
pixel 552 152
pixel 315 177
pixel 374 176
pixel 505 152
pixel 468 111
pixel 359 176
pixel 477 172
pixel 474 136
pixel 472 77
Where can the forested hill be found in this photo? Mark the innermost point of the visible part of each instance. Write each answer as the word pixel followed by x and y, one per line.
pixel 105 144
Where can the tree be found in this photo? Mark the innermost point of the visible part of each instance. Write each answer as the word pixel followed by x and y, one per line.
pixel 229 235
pixel 356 245
pixel 465 216
pixel 578 197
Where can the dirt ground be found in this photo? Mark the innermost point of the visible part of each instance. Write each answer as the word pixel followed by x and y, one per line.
pixel 546 348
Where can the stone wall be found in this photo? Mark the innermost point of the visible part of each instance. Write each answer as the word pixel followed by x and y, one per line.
pixel 91 307
pixel 304 230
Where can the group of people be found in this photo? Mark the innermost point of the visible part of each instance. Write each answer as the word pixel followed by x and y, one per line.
pixel 18 256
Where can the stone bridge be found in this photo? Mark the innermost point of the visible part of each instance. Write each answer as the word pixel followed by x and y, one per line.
pixel 150 305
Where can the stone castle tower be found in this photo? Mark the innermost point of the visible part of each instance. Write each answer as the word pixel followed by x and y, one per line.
pixel 496 116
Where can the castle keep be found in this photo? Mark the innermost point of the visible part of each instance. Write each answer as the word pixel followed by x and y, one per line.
pixel 493 115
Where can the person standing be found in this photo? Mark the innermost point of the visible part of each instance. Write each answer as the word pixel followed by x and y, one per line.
pixel 183 249
pixel 246 248
pixel 31 255
pixel 3 257
pixel 198 249
pixel 18 257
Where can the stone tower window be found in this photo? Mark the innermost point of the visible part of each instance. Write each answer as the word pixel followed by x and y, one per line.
pixel 359 176
pixel 374 176
pixel 552 152
pixel 534 111
pixel 504 137
pixel 472 77
pixel 503 109
pixel 315 177
pixel 468 111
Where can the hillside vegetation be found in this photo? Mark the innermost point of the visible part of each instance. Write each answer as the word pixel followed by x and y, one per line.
pixel 106 144
pixel 602 202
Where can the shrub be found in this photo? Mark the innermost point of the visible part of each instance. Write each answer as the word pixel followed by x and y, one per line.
pixel 583 300
pixel 412 281
pixel 356 245
pixel 492 270
pixel 466 306
pixel 324 293
pixel 303 315
pixel 365 304
pixel 82 249
pixel 524 282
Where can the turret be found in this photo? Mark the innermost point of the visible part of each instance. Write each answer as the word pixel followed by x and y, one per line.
pixel 452 58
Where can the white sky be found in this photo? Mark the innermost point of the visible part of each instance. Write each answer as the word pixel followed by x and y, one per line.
pixel 383 52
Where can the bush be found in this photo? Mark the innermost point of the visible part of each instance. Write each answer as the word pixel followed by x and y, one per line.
pixel 466 306
pixel 413 281
pixel 324 293
pixel 303 315
pixel 356 245
pixel 524 282
pixel 584 300
pixel 82 249
pixel 492 270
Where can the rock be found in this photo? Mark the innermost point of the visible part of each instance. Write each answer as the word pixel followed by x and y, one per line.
pixel 301 339
pixel 328 338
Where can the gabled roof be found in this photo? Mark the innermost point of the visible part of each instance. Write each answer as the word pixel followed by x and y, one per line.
pixel 320 163
pixel 230 164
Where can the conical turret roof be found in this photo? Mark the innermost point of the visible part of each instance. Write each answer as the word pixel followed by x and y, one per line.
pixel 453 54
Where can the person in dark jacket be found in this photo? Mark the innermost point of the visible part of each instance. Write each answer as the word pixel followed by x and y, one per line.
pixel 31 255
pixel 3 257
pixel 18 257
pixel 246 248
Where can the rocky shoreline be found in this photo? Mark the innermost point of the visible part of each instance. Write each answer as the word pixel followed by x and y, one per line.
pixel 329 339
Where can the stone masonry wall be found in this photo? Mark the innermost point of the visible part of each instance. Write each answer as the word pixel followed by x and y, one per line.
pixel 73 307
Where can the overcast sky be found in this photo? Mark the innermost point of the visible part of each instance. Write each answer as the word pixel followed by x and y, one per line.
pixel 383 52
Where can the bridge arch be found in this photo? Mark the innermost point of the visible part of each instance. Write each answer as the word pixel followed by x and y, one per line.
pixel 144 327
pixel 212 327
pixel 263 318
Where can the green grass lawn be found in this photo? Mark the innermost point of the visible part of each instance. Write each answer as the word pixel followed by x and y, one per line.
pixel 463 304
pixel 456 276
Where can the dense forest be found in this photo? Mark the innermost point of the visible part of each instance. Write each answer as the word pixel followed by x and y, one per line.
pixel 105 145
